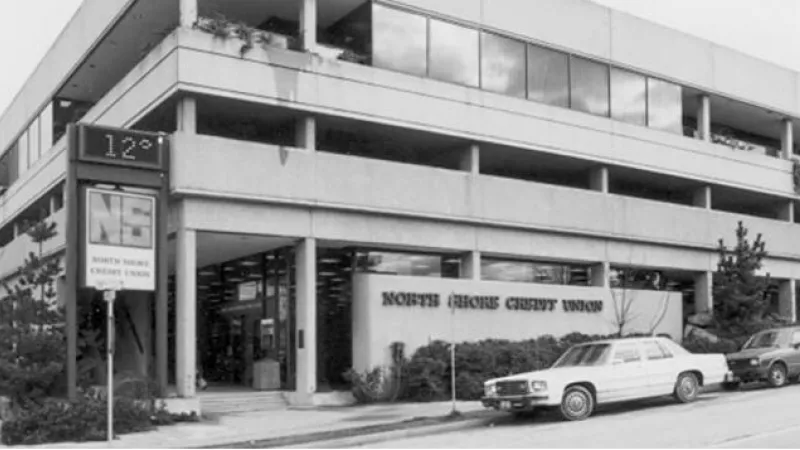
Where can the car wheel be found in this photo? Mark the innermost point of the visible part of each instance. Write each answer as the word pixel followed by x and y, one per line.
pixel 776 377
pixel 577 403
pixel 731 385
pixel 687 388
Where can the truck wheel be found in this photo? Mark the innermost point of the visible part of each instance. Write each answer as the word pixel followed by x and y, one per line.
pixel 577 403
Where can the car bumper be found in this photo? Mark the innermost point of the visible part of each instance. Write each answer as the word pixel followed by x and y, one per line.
pixel 749 374
pixel 516 403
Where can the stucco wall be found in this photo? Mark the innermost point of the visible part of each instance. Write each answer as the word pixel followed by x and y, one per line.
pixel 376 326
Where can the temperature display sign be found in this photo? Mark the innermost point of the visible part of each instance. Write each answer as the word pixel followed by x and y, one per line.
pixel 121 147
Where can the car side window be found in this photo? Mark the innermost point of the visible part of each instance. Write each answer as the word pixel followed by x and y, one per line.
pixel 627 353
pixel 654 351
pixel 795 338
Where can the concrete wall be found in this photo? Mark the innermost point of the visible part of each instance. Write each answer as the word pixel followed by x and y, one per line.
pixel 376 326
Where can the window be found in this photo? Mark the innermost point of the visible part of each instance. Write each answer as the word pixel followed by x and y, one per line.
pixel 453 53
pixel 628 97
pixel 589 86
pixel 408 264
pixel 665 107
pixel 654 350
pixel 535 272
pixel 548 76
pixel 502 65
pixel 399 41
pixel 627 352
pixel 584 355
pixel 795 338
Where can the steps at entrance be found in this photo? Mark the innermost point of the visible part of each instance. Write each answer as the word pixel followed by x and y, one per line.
pixel 241 402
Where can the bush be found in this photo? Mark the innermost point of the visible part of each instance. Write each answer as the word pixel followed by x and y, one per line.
pixel 376 385
pixel 701 345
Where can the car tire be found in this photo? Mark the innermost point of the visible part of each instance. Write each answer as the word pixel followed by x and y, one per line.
pixel 687 388
pixel 776 375
pixel 731 385
pixel 577 403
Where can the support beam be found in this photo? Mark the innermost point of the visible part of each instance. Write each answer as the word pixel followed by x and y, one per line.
pixel 188 13
pixel 187 115
pixel 704 117
pixel 702 197
pixel 471 265
pixel 786 211
pixel 308 25
pixel 703 296
pixel 787 139
pixel 186 312
pixel 471 160
pixel 306 276
pixel 598 179
pixel 787 300
pixel 306 133
pixel 601 275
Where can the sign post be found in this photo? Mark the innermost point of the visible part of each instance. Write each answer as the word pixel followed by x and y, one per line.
pixel 110 289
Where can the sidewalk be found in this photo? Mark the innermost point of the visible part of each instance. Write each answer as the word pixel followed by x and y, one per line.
pixel 238 428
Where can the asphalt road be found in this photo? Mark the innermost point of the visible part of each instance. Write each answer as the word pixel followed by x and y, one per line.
pixel 758 417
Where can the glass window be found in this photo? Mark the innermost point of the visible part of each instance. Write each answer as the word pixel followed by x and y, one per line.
pixel 589 86
pixel 628 97
pixel 548 76
pixel 534 272
pixel 584 355
pixel 502 65
pixel 653 350
pixel 627 352
pixel 399 40
pixel 453 53
pixel 665 108
pixel 33 142
pixel 401 264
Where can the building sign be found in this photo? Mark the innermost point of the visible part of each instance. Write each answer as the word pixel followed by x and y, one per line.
pixel 121 147
pixel 490 302
pixel 120 240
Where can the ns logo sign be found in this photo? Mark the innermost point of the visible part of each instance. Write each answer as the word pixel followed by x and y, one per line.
pixel 120 219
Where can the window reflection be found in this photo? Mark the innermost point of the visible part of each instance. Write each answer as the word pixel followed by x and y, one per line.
pixel 628 97
pixel 535 272
pixel 453 53
pixel 400 40
pixel 548 76
pixel 502 65
pixel 589 83
pixel 665 109
pixel 408 264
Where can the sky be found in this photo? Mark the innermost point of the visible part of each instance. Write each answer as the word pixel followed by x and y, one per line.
pixel 763 28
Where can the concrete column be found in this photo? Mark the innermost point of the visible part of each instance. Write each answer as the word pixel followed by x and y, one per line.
pixel 52 205
pixel 703 296
pixel 306 133
pixel 786 211
pixel 188 13
pixel 186 311
pixel 704 117
pixel 601 274
pixel 187 115
pixel 306 279
pixel 786 298
pixel 471 265
pixel 598 179
pixel 471 160
pixel 787 139
pixel 702 197
pixel 308 24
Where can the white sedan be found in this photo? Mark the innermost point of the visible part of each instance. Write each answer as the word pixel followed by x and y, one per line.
pixel 609 371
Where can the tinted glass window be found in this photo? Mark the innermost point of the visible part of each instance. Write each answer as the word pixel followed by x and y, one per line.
pixel 628 97
pixel 665 108
pixel 453 53
pixel 589 84
pixel 502 65
pixel 628 352
pixel 548 76
pixel 399 40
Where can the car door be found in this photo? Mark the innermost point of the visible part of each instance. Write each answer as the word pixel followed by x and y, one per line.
pixel 625 376
pixel 661 368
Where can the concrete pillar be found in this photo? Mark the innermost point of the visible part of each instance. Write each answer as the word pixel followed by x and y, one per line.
pixel 471 265
pixel 786 211
pixel 308 24
pixel 786 299
pixel 601 274
pixel 704 117
pixel 702 197
pixel 598 179
pixel 787 139
pixel 306 279
pixel 186 312
pixel 703 296
pixel 51 209
pixel 187 115
pixel 471 160
pixel 188 13
pixel 306 133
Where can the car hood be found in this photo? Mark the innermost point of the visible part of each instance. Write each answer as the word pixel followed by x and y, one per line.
pixel 751 353
pixel 560 373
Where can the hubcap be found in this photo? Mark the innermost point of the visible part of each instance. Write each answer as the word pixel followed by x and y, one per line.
pixel 577 403
pixel 777 375
pixel 688 387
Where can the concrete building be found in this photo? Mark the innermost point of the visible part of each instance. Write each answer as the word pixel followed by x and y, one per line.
pixel 342 171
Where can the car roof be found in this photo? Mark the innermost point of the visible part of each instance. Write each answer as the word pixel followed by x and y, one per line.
pixel 626 339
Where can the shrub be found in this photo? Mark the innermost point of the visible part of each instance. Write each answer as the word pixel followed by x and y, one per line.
pixel 376 385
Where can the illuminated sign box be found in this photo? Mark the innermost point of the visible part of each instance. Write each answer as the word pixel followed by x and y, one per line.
pixel 121 147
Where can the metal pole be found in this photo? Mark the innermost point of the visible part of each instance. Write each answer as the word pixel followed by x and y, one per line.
pixel 110 331
pixel 453 351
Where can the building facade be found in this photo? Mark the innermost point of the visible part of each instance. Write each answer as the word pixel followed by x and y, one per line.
pixel 347 174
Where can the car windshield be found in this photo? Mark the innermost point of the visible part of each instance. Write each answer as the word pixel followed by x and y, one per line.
pixel 764 339
pixel 584 355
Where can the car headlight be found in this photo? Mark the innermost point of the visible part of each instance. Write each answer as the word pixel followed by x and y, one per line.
pixel 489 390
pixel 538 386
pixel 754 362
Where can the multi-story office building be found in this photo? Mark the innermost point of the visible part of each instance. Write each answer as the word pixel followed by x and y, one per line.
pixel 344 170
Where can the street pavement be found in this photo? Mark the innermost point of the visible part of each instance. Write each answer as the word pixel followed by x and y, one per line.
pixel 758 417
